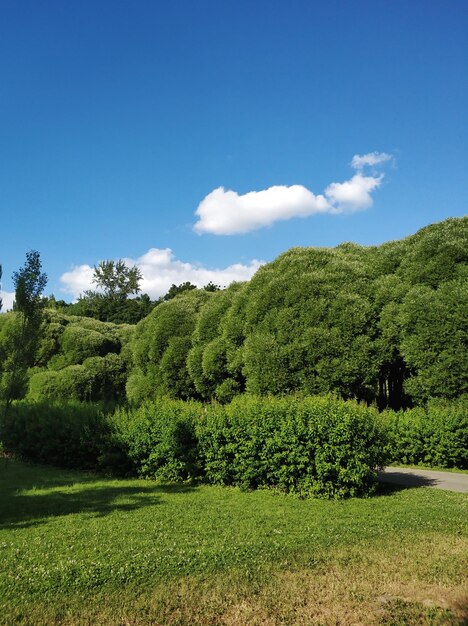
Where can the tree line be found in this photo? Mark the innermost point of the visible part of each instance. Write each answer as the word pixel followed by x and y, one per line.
pixel 112 301
pixel 385 324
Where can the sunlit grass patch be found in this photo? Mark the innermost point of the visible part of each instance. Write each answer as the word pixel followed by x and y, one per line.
pixel 79 549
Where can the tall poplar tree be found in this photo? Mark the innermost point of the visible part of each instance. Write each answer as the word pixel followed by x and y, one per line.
pixel 21 334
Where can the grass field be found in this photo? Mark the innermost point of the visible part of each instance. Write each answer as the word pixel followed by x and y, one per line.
pixel 77 548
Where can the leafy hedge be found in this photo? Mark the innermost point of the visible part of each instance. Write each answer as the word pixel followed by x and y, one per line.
pixel 159 439
pixel 311 446
pixel 70 434
pixel 436 435
pixel 99 378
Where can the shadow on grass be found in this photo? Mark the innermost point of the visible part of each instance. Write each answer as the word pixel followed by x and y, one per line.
pixel 30 495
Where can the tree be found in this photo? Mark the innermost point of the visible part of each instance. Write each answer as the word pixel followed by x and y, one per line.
pixel 117 280
pixel 111 303
pixel 434 340
pixel 100 307
pixel 175 290
pixel 160 348
pixel 212 287
pixel 20 336
pixel 29 282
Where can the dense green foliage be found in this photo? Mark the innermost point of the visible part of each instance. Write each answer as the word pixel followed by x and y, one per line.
pixel 312 446
pixel 160 348
pixel 207 360
pixel 159 439
pixel 434 340
pixel 73 359
pixel 108 306
pixel 387 325
pixel 100 307
pixel 309 446
pixel 68 434
pixel 437 435
pixel 19 336
pixel 357 321
pixel 305 325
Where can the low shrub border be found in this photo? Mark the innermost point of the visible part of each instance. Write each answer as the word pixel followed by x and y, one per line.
pixel 310 446
pixel 434 436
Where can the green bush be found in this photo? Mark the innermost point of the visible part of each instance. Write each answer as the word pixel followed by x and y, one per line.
pixel 160 347
pixel 79 343
pixel 311 446
pixel 434 339
pixel 159 438
pixel 72 383
pixel 43 385
pixel 108 377
pixel 70 434
pixel 49 344
pixel 436 435
pixel 207 359
pixel 98 379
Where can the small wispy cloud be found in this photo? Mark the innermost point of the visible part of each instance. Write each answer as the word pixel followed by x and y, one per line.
pixel 225 212
pixel 371 158
pixel 160 269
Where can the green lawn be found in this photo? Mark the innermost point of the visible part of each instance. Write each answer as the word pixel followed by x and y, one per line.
pixel 77 548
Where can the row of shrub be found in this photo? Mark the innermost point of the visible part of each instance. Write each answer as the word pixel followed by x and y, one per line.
pixel 386 325
pixel 309 446
pixel 66 434
pixel 435 436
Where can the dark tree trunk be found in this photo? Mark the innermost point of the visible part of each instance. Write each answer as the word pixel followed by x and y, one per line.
pixel 392 377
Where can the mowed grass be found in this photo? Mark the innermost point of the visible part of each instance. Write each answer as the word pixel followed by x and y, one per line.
pixel 77 548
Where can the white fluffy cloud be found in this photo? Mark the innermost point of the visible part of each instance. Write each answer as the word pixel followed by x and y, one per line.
pixel 8 297
pixel 78 280
pixel 353 194
pixel 225 212
pixel 160 270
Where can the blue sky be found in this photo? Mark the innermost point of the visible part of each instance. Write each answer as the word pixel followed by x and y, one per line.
pixel 120 119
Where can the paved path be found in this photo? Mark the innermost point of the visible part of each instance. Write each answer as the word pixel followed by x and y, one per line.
pixel 424 478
